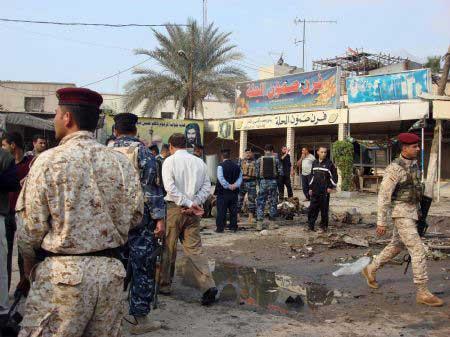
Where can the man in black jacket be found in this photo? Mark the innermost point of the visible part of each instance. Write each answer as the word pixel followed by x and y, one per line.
pixel 229 179
pixel 324 180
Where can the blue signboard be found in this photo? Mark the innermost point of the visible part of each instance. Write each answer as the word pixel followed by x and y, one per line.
pixel 316 90
pixel 389 87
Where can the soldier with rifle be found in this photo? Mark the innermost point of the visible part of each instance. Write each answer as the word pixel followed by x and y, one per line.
pixel 401 188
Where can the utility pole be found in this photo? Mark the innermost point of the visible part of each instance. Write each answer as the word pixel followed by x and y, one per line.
pixel 205 14
pixel 303 22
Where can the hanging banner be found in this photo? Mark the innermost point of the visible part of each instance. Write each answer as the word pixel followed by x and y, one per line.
pixel 226 130
pixel 316 90
pixel 301 119
pixel 401 86
pixel 157 130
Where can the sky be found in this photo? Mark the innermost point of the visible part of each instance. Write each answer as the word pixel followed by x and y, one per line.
pixel 262 30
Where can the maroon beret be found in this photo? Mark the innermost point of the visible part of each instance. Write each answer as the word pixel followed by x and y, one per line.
pixel 408 138
pixel 79 96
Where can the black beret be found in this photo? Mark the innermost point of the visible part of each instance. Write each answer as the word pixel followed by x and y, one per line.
pixel 125 120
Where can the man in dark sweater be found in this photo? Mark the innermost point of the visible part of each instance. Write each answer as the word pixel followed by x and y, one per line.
pixel 284 178
pixel 323 182
pixel 229 179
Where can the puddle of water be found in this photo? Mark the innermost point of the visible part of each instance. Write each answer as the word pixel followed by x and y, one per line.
pixel 260 289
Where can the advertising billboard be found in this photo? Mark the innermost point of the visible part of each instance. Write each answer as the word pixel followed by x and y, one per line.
pixel 157 131
pixel 401 86
pixel 315 90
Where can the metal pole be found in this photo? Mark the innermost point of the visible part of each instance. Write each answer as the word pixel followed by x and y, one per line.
pixel 439 161
pixel 423 153
pixel 304 34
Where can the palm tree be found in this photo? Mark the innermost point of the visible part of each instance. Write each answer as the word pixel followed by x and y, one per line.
pixel 434 63
pixel 195 64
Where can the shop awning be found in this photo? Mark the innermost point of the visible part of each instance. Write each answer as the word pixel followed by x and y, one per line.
pixel 25 119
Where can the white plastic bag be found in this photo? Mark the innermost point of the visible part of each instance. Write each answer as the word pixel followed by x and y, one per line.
pixel 352 268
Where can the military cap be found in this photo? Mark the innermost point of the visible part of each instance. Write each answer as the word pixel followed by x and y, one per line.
pixel 79 96
pixel 408 138
pixel 125 121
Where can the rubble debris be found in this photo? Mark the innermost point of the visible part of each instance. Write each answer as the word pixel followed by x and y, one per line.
pixel 351 216
pixel 296 301
pixel 355 241
pixel 304 251
pixel 264 232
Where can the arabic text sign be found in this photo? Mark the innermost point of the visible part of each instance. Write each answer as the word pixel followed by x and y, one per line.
pixel 389 87
pixel 316 90
pixel 301 119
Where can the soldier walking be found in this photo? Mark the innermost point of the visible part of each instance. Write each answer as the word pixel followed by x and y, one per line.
pixel 143 239
pixel 77 204
pixel 248 186
pixel 401 188
pixel 268 169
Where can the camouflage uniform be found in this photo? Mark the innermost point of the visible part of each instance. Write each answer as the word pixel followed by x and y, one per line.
pixel 80 197
pixel 248 185
pixel 268 191
pixel 401 187
pixel 142 242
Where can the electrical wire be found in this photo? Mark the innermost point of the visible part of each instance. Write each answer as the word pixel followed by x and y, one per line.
pixel 91 24
pixel 82 86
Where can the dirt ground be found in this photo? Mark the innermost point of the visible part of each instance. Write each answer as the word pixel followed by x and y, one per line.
pixel 354 309
pixel 257 273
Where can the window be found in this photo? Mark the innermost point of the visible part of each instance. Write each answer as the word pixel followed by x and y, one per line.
pixel 167 115
pixel 34 104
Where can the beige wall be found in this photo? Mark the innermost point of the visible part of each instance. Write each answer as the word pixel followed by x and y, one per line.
pixel 12 94
pixel 212 109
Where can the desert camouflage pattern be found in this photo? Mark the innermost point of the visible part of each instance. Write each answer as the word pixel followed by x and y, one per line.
pixel 79 197
pixel 394 175
pixel 405 235
pixel 75 296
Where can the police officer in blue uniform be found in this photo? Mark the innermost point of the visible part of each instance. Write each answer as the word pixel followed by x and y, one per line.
pixel 268 169
pixel 142 240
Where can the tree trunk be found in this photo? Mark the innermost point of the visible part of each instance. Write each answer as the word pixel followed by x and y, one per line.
pixel 433 162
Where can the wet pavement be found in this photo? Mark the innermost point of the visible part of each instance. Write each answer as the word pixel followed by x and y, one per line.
pixel 261 290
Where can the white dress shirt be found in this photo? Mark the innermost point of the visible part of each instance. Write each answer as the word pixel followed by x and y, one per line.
pixel 185 179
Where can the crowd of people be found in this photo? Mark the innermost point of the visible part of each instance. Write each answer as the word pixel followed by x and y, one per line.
pixel 263 180
pixel 92 221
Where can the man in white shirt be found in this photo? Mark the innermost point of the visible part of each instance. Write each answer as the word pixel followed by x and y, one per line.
pixel 188 186
pixel 305 169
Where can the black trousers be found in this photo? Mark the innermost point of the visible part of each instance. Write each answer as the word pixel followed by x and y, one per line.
pixel 305 185
pixel 319 202
pixel 284 181
pixel 10 227
pixel 227 202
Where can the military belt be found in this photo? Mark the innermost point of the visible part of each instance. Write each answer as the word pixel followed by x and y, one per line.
pixel 110 252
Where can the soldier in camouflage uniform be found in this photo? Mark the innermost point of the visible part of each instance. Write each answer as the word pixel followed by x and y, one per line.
pixel 402 188
pixel 142 241
pixel 248 186
pixel 268 169
pixel 76 207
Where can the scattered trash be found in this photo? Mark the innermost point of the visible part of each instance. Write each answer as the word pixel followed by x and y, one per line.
pixel 338 241
pixel 329 321
pixel 352 268
pixel 264 232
